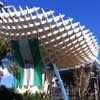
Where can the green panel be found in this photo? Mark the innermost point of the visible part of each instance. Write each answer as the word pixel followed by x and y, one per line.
pixel 34 47
pixel 18 57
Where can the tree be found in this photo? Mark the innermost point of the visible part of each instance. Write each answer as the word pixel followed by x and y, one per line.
pixel 1 74
pixel 14 68
pixel 4 47
pixel 1 5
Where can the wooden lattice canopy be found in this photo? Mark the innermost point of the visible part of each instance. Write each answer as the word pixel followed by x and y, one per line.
pixel 64 42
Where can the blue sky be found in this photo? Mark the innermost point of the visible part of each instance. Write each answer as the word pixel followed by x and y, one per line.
pixel 7 80
pixel 87 12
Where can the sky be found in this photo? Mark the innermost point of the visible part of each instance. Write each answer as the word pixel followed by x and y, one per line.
pixel 87 12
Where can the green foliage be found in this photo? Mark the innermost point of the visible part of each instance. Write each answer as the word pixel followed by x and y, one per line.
pixel 14 69
pixel 1 5
pixel 37 96
pixel 11 94
pixel 4 47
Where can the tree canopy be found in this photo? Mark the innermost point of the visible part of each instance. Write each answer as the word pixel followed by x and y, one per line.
pixel 4 47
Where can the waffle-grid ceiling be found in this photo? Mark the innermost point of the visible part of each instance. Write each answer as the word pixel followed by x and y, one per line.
pixel 63 42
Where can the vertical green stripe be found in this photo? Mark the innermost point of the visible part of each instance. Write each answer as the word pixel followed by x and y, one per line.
pixel 17 55
pixel 34 47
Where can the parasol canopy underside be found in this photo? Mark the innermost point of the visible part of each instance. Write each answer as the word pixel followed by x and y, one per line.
pixel 62 41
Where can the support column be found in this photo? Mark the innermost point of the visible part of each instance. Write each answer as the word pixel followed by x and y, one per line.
pixel 64 92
